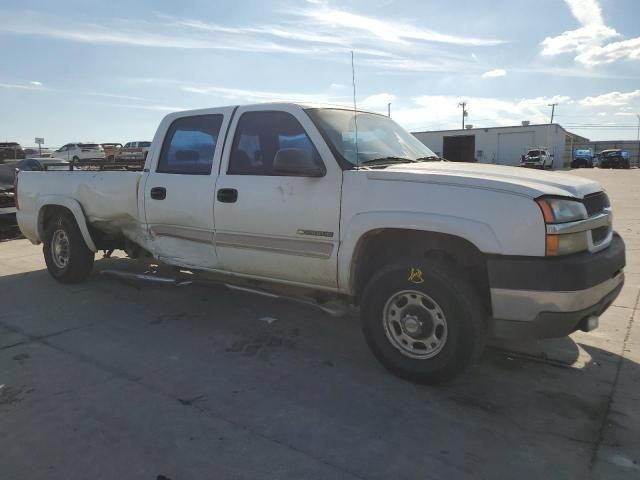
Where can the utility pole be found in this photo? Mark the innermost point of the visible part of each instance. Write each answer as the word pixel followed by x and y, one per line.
pixel 464 111
pixel 638 138
pixel 553 110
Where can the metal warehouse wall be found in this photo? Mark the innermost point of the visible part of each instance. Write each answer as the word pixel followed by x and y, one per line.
pixel 504 145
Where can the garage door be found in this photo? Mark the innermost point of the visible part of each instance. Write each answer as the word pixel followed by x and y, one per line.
pixel 511 146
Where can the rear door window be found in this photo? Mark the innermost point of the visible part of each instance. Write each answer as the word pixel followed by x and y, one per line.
pixel 190 144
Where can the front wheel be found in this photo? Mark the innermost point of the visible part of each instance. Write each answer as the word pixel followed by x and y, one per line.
pixel 66 254
pixel 422 321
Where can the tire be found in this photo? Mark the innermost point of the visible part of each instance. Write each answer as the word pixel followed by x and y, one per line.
pixel 444 306
pixel 71 263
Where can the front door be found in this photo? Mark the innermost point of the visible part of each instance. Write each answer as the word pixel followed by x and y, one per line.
pixel 273 225
pixel 179 190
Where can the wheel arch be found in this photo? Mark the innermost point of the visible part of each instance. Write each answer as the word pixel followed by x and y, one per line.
pixel 51 206
pixel 380 246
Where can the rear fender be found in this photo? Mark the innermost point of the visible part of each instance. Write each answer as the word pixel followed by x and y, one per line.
pixel 76 210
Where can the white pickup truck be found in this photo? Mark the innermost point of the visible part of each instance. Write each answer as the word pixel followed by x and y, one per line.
pixel 349 206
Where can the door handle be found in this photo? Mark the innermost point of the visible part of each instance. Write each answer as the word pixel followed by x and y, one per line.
pixel 158 193
pixel 227 195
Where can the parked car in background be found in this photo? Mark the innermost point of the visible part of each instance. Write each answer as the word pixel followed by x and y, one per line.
pixel 134 151
pixel 7 200
pixel 9 170
pixel 41 164
pixel 37 152
pixel 11 151
pixel 537 157
pixel 582 158
pixel 614 158
pixel 111 150
pixel 80 151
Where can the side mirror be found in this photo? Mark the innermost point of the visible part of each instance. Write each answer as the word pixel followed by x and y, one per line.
pixel 297 162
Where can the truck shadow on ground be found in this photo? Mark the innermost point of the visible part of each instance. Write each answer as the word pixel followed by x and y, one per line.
pixel 250 360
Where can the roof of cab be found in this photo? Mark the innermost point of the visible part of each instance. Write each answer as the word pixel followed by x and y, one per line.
pixel 303 105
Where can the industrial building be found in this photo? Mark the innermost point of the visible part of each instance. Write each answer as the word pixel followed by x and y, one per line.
pixel 502 145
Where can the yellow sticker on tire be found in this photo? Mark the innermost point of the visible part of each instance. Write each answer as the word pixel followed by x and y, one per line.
pixel 415 276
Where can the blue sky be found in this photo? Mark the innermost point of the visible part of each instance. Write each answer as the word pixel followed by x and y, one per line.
pixel 109 70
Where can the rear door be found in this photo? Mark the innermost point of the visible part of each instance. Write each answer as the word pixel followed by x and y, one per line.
pixel 179 189
pixel 270 225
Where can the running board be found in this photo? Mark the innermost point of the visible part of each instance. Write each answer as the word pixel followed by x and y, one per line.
pixel 335 306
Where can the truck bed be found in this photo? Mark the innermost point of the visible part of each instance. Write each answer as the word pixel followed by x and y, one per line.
pixel 108 199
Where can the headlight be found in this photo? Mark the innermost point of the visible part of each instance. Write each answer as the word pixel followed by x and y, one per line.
pixel 561 210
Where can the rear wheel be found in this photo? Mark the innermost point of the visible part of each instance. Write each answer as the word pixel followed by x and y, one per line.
pixel 66 254
pixel 422 321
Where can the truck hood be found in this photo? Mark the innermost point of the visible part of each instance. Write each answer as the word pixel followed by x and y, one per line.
pixel 514 180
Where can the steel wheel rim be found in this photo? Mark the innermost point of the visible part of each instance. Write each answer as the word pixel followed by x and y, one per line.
pixel 415 324
pixel 60 248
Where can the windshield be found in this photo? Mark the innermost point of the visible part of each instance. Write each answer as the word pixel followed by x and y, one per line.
pixel 533 153
pixel 379 137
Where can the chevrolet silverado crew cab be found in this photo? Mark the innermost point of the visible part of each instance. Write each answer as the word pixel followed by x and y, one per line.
pixel 350 207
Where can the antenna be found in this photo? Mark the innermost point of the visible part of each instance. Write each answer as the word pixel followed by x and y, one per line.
pixel 355 110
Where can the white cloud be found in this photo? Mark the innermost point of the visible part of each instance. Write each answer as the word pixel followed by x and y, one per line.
pixel 161 35
pixel 151 107
pixel 611 99
pixel 399 33
pixel 498 72
pixel 377 101
pixel 313 30
pixel 626 49
pixel 587 12
pixel 589 42
pixel 442 111
pixel 22 86
pixel 35 83
pixel 240 95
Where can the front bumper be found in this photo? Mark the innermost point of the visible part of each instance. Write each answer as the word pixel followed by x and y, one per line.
pixel 552 297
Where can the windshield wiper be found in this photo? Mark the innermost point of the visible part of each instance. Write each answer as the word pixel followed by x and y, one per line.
pixel 430 158
pixel 385 161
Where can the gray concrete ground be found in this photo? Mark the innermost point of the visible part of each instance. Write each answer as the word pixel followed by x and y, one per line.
pixel 130 380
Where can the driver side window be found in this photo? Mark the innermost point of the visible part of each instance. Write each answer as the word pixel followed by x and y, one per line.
pixel 261 135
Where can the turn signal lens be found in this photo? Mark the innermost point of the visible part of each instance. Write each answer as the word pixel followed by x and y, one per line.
pixel 552 245
pixel 547 213
pixel 566 244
